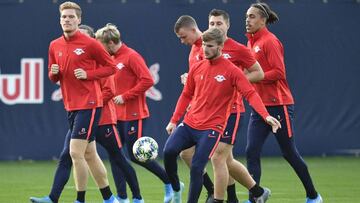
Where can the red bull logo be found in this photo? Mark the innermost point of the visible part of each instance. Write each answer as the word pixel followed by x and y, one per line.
pixel 26 87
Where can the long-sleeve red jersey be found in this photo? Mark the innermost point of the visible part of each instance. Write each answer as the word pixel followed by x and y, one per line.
pixel 241 57
pixel 131 81
pixel 196 53
pixel 80 51
pixel 269 52
pixel 210 87
pixel 108 112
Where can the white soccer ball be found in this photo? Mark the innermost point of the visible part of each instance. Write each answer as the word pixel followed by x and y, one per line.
pixel 145 149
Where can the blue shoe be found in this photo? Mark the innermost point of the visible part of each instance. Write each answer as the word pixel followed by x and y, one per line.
pixel 123 200
pixel 45 199
pixel 264 197
pixel 169 193
pixel 78 201
pixel 318 199
pixel 177 195
pixel 247 201
pixel 138 200
pixel 112 199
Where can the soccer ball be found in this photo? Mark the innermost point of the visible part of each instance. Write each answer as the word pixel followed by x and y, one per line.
pixel 145 149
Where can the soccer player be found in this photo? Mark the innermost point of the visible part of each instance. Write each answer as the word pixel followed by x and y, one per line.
pixel 223 160
pixel 131 81
pixel 188 32
pixel 205 121
pixel 275 93
pixel 78 61
pixel 107 136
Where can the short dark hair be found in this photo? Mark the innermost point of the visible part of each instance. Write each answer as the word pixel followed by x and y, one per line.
pixel 185 21
pixel 218 12
pixel 214 34
pixel 89 30
pixel 266 12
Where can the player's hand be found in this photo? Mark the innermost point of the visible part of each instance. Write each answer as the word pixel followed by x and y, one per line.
pixel 54 69
pixel 170 128
pixel 275 124
pixel 80 74
pixel 184 78
pixel 118 100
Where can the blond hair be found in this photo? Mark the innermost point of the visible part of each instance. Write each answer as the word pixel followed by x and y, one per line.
pixel 71 5
pixel 108 33
pixel 214 34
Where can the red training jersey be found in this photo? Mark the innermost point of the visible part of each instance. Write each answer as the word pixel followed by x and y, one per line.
pixel 108 112
pixel 196 53
pixel 131 81
pixel 241 57
pixel 269 52
pixel 210 87
pixel 80 51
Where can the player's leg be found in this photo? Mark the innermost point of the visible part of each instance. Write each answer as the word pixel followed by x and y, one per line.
pixel 285 138
pixel 98 171
pixel 206 143
pixel 61 177
pixel 108 137
pixel 179 140
pixel 83 131
pixel 234 123
pixel 134 130
pixel 186 155
pixel 221 172
pixel 257 133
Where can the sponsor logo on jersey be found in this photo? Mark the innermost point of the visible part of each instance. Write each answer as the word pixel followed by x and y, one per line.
pixel 26 87
pixel 226 56
pixel 257 49
pixel 120 66
pixel 220 78
pixel 79 51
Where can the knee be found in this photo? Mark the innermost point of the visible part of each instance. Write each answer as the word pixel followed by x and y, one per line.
pixel 76 155
pixel 217 159
pixel 170 153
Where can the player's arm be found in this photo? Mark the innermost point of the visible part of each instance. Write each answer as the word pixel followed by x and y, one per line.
pixel 145 80
pixel 53 68
pixel 182 104
pixel 249 93
pixel 253 70
pixel 107 88
pixel 275 56
pixel 105 64
pixel 254 73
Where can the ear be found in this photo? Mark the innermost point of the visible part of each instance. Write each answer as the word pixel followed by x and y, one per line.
pixel 79 20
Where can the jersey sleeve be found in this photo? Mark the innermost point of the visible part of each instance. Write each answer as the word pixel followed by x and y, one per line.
pixel 184 99
pixel 51 59
pixel 145 81
pixel 107 88
pixel 249 93
pixel 105 65
pixel 245 57
pixel 275 56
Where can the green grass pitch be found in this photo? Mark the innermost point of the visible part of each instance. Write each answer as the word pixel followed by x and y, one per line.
pixel 336 178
